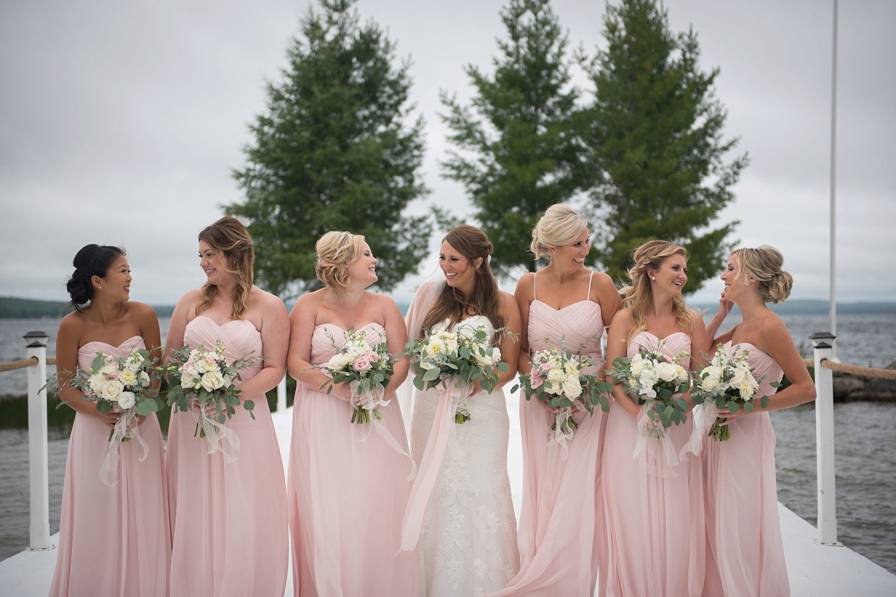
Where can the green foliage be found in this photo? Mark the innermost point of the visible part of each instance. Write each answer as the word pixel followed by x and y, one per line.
pixel 658 147
pixel 332 152
pixel 516 146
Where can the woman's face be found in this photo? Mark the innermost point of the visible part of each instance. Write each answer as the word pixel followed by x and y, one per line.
pixel 213 263
pixel 363 269
pixel 671 275
pixel 735 283
pixel 574 254
pixel 459 271
pixel 116 285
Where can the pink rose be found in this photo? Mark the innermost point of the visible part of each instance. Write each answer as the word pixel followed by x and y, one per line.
pixel 536 379
pixel 362 363
pixel 374 357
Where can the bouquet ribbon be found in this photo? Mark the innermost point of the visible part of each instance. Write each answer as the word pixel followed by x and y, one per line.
pixel 431 462
pixel 561 434
pixel 218 436
pixel 371 401
pixel 126 423
pixel 653 440
pixel 704 416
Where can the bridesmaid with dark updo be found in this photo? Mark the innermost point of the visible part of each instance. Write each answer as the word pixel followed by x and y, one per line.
pixel 113 538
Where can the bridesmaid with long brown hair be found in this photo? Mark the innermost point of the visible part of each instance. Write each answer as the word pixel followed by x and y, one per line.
pixel 228 516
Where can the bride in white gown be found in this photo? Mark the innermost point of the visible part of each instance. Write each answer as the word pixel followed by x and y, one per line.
pixel 464 512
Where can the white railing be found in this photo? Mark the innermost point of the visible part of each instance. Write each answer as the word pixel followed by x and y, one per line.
pixel 823 343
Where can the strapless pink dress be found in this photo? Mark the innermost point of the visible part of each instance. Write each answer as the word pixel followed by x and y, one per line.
pixel 347 492
pixel 558 531
pixel 113 541
pixel 228 519
pixel 652 513
pixel 745 553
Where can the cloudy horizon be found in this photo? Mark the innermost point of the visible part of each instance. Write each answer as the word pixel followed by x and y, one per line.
pixel 121 123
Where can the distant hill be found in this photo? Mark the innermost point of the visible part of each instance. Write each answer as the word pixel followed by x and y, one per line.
pixel 819 307
pixel 22 308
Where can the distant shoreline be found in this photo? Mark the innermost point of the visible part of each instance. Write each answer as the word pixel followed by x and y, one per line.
pixel 25 308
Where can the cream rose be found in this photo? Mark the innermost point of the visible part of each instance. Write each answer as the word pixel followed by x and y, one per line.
pixel 212 380
pixel 127 400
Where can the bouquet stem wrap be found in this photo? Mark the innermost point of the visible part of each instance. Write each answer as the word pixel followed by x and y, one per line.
pixel 563 430
pixel 705 416
pixel 370 402
pixel 653 441
pixel 126 424
pixel 218 436
pixel 431 462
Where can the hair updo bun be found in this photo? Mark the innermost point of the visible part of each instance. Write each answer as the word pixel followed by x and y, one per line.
pixel 560 225
pixel 91 260
pixel 764 264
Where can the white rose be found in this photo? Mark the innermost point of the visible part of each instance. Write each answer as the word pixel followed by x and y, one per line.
pixel 571 369
pixel 646 381
pixel 111 390
pixel 212 380
pixel 96 382
pixel 127 400
pixel 710 382
pixel 572 388
pixel 556 376
pixel 128 377
pixel 682 373
pixel 338 361
pixel 187 380
pixel 483 360
pixel 144 379
pixel 637 365
pixel 667 372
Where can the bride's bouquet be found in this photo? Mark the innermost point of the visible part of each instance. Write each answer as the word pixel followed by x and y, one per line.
pixel 119 385
pixel 202 377
pixel 367 369
pixel 657 383
pixel 558 380
pixel 456 359
pixel 727 383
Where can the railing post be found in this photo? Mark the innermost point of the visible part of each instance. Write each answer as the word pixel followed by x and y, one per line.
pixel 824 439
pixel 281 395
pixel 36 348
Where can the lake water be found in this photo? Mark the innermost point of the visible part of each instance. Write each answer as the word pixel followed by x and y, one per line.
pixel 865 443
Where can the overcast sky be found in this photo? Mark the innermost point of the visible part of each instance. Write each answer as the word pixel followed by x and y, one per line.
pixel 121 121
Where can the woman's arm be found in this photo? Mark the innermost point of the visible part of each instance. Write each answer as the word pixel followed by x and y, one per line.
pixel 179 319
pixel 779 345
pixel 523 296
pixel 510 347
pixel 397 337
pixel 617 346
pixel 274 344
pixel 298 361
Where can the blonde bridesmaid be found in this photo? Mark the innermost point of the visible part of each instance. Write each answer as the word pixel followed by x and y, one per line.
pixel 652 509
pixel 745 554
pixel 228 517
pixel 348 482
pixel 564 305
pixel 113 538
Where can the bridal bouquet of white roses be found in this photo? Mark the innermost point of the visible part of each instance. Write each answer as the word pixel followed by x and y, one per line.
pixel 367 369
pixel 204 378
pixel 456 359
pixel 557 378
pixel 656 382
pixel 119 385
pixel 727 383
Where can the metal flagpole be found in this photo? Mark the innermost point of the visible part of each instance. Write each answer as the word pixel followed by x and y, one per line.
pixel 833 266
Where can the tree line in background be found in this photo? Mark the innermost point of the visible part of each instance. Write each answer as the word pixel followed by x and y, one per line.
pixel 642 151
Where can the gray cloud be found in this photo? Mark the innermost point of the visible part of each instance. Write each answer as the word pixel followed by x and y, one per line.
pixel 120 122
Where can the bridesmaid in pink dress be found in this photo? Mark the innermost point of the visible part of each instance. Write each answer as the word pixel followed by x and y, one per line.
pixel 228 517
pixel 113 541
pixel 652 510
pixel 563 306
pixel 348 482
pixel 745 555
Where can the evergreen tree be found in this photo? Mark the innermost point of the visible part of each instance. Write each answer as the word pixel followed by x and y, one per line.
pixel 516 151
pixel 657 138
pixel 332 152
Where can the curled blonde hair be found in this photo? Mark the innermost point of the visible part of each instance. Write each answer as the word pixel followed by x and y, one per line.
pixel 229 236
pixel 336 250
pixel 637 296
pixel 764 264
pixel 560 225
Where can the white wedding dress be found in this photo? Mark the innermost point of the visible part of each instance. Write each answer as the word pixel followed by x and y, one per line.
pixel 468 541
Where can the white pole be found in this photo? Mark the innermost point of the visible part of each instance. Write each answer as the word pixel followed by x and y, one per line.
pixel 38 476
pixel 833 215
pixel 281 395
pixel 824 439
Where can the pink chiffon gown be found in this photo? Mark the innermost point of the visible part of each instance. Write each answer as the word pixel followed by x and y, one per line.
pixel 558 531
pixel 228 518
pixel 348 489
pixel 112 540
pixel 652 512
pixel 745 554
